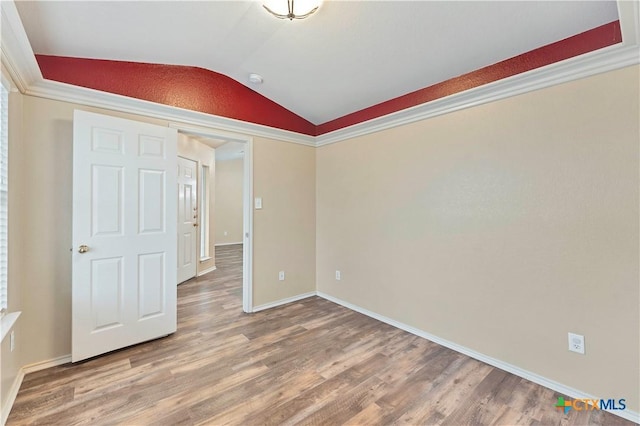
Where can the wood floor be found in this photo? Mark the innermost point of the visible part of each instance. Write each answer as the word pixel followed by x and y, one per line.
pixel 310 362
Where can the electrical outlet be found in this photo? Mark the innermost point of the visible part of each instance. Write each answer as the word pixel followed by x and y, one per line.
pixel 338 276
pixel 281 275
pixel 225 233
pixel 576 343
pixel 12 340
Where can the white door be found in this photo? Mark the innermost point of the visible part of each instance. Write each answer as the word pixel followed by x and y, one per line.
pixel 187 219
pixel 124 233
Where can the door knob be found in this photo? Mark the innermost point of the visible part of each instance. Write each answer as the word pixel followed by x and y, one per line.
pixel 83 249
pixel 195 224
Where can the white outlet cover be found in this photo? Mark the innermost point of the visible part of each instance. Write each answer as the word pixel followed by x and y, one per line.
pixel 338 275
pixel 576 343
pixel 281 275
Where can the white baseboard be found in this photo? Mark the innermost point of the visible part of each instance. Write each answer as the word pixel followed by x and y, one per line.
pixel 283 301
pixel 11 398
pixel 206 271
pixel 535 378
pixel 31 368
pixel 227 244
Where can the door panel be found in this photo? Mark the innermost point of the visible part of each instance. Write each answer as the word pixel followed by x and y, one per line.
pixel 187 219
pixel 152 284
pixel 151 201
pixel 124 211
pixel 106 293
pixel 106 196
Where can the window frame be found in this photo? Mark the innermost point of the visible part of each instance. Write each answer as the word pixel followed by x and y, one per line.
pixel 5 89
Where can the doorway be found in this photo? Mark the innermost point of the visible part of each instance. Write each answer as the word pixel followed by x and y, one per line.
pixel 194 140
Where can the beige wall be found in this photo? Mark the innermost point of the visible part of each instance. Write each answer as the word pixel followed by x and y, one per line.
pixel 228 211
pixel 500 228
pixel 42 163
pixel 204 155
pixel 284 229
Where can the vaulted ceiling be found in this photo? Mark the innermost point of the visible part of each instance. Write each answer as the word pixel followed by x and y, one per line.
pixel 349 56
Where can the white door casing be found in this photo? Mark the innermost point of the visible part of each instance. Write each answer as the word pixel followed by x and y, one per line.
pixel 187 219
pixel 124 212
pixel 247 196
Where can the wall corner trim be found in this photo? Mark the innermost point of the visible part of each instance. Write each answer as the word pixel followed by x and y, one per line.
pixel 283 301
pixel 533 377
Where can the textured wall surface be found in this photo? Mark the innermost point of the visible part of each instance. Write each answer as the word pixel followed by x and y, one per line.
pixel 500 228
pixel 228 211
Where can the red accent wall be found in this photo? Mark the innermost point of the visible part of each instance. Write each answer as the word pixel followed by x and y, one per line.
pixel 191 88
pixel 206 91
pixel 597 38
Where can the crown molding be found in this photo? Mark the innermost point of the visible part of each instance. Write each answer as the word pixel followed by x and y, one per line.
pixel 607 59
pixel 17 56
pixel 95 98
pixel 19 60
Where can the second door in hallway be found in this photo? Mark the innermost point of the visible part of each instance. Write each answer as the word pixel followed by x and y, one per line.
pixel 187 218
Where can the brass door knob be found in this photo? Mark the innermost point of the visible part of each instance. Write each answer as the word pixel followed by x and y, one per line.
pixel 195 224
pixel 83 249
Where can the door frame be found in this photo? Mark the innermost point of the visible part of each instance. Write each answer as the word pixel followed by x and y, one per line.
pixel 247 204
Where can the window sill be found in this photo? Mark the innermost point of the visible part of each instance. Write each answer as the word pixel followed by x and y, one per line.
pixel 7 322
pixel 204 259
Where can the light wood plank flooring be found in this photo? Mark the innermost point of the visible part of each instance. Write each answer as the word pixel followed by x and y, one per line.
pixel 309 362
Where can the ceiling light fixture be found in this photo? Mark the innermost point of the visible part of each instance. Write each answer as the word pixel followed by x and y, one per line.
pixel 291 9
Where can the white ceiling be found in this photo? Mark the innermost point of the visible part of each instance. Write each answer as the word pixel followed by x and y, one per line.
pixel 230 151
pixel 348 56
pixel 225 150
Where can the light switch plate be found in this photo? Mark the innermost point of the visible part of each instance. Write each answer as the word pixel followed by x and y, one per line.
pixel 258 203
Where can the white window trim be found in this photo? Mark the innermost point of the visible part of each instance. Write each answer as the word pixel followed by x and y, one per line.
pixel 4 195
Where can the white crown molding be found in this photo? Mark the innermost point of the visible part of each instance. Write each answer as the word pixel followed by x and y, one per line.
pixel 20 62
pixel 607 59
pixel 17 55
pixel 95 98
pixel 18 58
pixel 510 368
